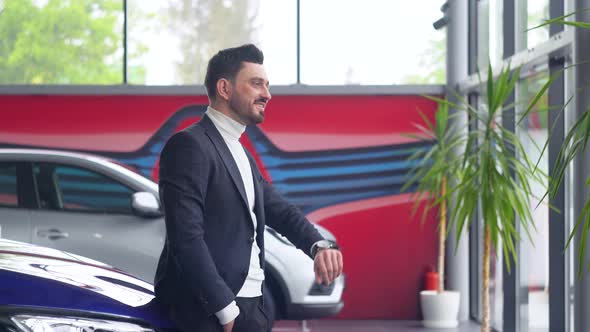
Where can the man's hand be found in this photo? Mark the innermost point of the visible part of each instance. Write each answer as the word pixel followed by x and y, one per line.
pixel 229 326
pixel 327 265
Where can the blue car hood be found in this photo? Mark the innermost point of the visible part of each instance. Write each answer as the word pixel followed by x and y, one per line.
pixel 38 277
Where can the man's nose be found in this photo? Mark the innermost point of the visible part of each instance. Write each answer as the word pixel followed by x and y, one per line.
pixel 266 93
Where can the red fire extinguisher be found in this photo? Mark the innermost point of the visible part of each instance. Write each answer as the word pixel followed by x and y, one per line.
pixel 431 280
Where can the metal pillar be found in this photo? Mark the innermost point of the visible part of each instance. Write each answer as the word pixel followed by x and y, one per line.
pixel 582 166
pixel 457 66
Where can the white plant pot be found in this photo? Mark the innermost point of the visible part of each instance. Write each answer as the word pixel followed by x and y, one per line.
pixel 439 310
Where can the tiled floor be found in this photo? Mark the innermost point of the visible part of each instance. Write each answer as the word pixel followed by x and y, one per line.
pixel 365 326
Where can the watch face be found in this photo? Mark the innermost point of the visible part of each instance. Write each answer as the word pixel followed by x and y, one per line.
pixel 325 244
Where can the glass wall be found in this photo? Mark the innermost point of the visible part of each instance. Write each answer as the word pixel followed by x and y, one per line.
pixel 496 287
pixel 490 26
pixel 61 42
pixel 172 40
pixel 526 294
pixel 534 262
pixel 490 33
pixel 368 43
pixel 168 42
pixel 529 15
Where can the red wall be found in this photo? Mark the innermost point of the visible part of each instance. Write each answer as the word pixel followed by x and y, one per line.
pixel 385 251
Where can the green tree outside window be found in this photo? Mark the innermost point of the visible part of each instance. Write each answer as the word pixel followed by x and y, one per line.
pixel 61 42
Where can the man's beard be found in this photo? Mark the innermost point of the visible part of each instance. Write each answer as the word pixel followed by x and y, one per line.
pixel 243 112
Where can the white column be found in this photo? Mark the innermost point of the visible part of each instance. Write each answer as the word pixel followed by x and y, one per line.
pixel 457 71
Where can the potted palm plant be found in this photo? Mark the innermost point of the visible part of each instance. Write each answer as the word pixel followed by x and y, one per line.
pixel 497 174
pixel 435 167
pixel 491 171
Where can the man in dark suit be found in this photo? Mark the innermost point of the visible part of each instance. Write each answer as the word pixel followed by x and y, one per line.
pixel 211 272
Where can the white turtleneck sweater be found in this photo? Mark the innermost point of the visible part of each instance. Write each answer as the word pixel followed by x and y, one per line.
pixel 231 131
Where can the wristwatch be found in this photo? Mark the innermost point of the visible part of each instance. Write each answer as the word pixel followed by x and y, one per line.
pixel 323 244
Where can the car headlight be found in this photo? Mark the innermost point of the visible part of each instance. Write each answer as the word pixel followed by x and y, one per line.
pixel 73 324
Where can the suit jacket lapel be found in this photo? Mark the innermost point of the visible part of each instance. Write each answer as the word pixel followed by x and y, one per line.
pixel 226 156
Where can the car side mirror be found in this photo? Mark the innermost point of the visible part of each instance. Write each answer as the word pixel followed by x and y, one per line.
pixel 145 204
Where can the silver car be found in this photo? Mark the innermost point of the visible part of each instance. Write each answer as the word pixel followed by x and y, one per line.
pixel 94 207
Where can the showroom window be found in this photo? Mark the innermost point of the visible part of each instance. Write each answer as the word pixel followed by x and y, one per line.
pixel 61 42
pixel 170 41
pixel 490 38
pixel 77 189
pixel 519 300
pixel 8 186
pixel 368 42
pixel 532 13
pixel 534 262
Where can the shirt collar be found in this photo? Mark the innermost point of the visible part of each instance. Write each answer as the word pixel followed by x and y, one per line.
pixel 226 125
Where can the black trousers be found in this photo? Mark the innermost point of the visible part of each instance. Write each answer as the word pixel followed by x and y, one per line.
pixel 252 317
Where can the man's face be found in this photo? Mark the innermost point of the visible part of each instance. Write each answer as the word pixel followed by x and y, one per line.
pixel 250 94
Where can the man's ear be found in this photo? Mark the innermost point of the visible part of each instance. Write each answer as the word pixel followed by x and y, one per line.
pixel 224 88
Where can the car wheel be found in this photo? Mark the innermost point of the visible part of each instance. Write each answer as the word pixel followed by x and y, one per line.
pixel 270 308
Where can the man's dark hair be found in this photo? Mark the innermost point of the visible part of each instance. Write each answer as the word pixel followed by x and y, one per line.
pixel 227 63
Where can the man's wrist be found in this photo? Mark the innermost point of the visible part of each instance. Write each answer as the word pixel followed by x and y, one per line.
pixel 227 314
pixel 323 244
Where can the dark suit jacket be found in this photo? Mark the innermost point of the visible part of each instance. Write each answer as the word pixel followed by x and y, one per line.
pixel 209 230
